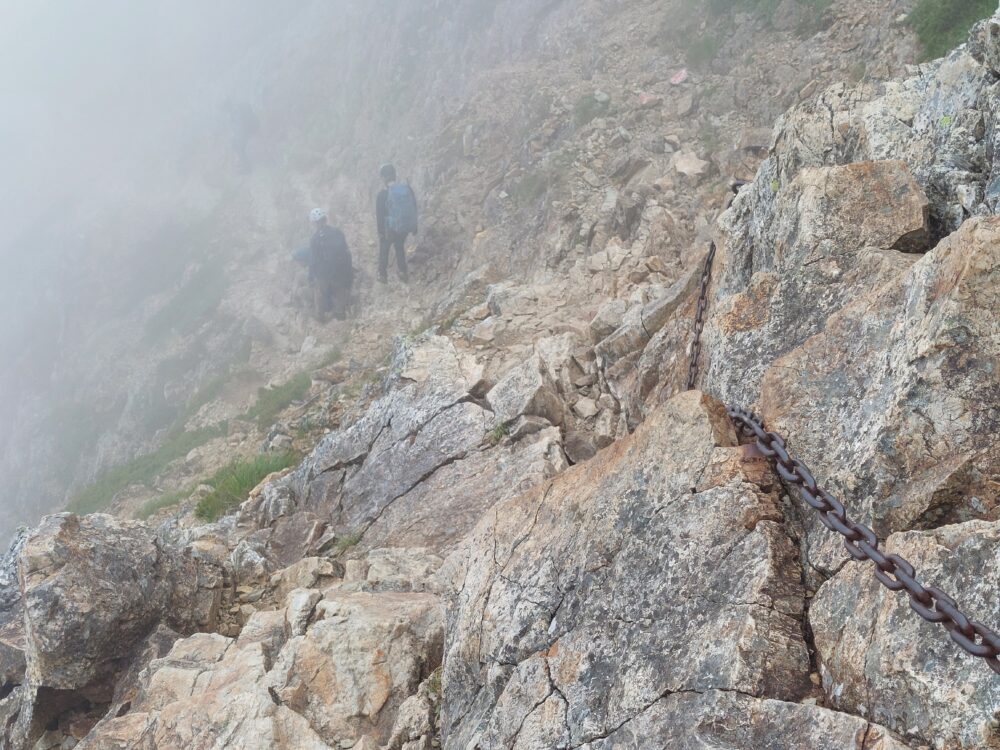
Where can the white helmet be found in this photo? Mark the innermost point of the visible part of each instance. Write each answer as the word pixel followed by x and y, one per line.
pixel 317 214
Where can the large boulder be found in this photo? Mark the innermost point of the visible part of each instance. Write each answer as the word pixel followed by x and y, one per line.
pixel 94 586
pixel 906 374
pixel 208 691
pixel 795 257
pixel 418 468
pixel 361 658
pixel 89 592
pixel 526 390
pixel 660 567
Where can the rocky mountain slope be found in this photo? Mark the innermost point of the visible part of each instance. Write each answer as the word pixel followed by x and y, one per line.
pixel 534 135
pixel 527 533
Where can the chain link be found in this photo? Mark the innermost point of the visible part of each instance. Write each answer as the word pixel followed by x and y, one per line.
pixel 699 315
pixel 861 542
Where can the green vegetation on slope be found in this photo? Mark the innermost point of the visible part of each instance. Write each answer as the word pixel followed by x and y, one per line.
pixel 141 469
pixel 144 469
pixel 232 483
pixel 942 25
pixel 272 401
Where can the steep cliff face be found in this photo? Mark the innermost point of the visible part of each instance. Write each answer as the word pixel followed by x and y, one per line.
pixel 530 534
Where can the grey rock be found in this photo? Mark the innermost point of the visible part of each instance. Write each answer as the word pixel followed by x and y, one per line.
pixel 595 595
pixel 93 588
pixel 732 721
pixel 878 659
pixel 609 316
pixel 526 390
pixel 299 606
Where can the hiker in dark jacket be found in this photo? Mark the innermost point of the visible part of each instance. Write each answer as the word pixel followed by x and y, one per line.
pixel 396 215
pixel 331 272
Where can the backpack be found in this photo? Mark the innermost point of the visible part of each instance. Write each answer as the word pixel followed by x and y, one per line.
pixel 331 258
pixel 401 209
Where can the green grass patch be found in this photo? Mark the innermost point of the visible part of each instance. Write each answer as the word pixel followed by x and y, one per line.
pixel 232 483
pixel 272 401
pixel 498 433
pixel 942 25
pixel 346 541
pixel 192 304
pixel 587 108
pixel 156 504
pixel 142 469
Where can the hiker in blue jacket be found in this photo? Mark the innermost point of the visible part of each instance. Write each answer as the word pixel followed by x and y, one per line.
pixel 396 215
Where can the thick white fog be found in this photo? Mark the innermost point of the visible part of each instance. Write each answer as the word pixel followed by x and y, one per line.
pixel 98 100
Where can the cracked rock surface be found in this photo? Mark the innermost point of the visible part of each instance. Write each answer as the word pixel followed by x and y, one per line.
pixel 526 536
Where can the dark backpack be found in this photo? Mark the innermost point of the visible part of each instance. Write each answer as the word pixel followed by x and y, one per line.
pixel 330 256
pixel 401 209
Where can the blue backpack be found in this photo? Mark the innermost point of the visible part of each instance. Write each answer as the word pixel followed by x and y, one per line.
pixel 401 209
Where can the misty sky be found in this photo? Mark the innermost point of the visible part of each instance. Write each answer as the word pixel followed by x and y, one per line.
pixel 88 88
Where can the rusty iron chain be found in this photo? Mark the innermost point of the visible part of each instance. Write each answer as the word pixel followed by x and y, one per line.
pixel 699 317
pixel 861 542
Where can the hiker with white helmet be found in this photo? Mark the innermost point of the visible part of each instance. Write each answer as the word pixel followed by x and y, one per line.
pixel 396 216
pixel 331 272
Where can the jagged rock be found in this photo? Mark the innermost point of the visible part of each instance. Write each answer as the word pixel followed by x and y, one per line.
pixel 526 390
pixel 732 721
pixel 581 603
pixel 269 690
pixel 401 570
pixel 440 511
pixel 307 573
pixel 93 587
pixel 415 726
pixel 12 644
pixel 984 43
pixel 248 563
pixel 901 370
pixel 579 446
pixel 127 688
pixel 524 426
pixel 604 428
pixel 819 229
pixel 878 659
pixel 388 643
pixel 557 354
pixel 688 164
pixel 206 688
pixel 641 323
pixel 299 606
pixel 585 408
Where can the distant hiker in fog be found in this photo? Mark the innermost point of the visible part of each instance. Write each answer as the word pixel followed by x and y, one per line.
pixel 244 125
pixel 331 271
pixel 396 215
